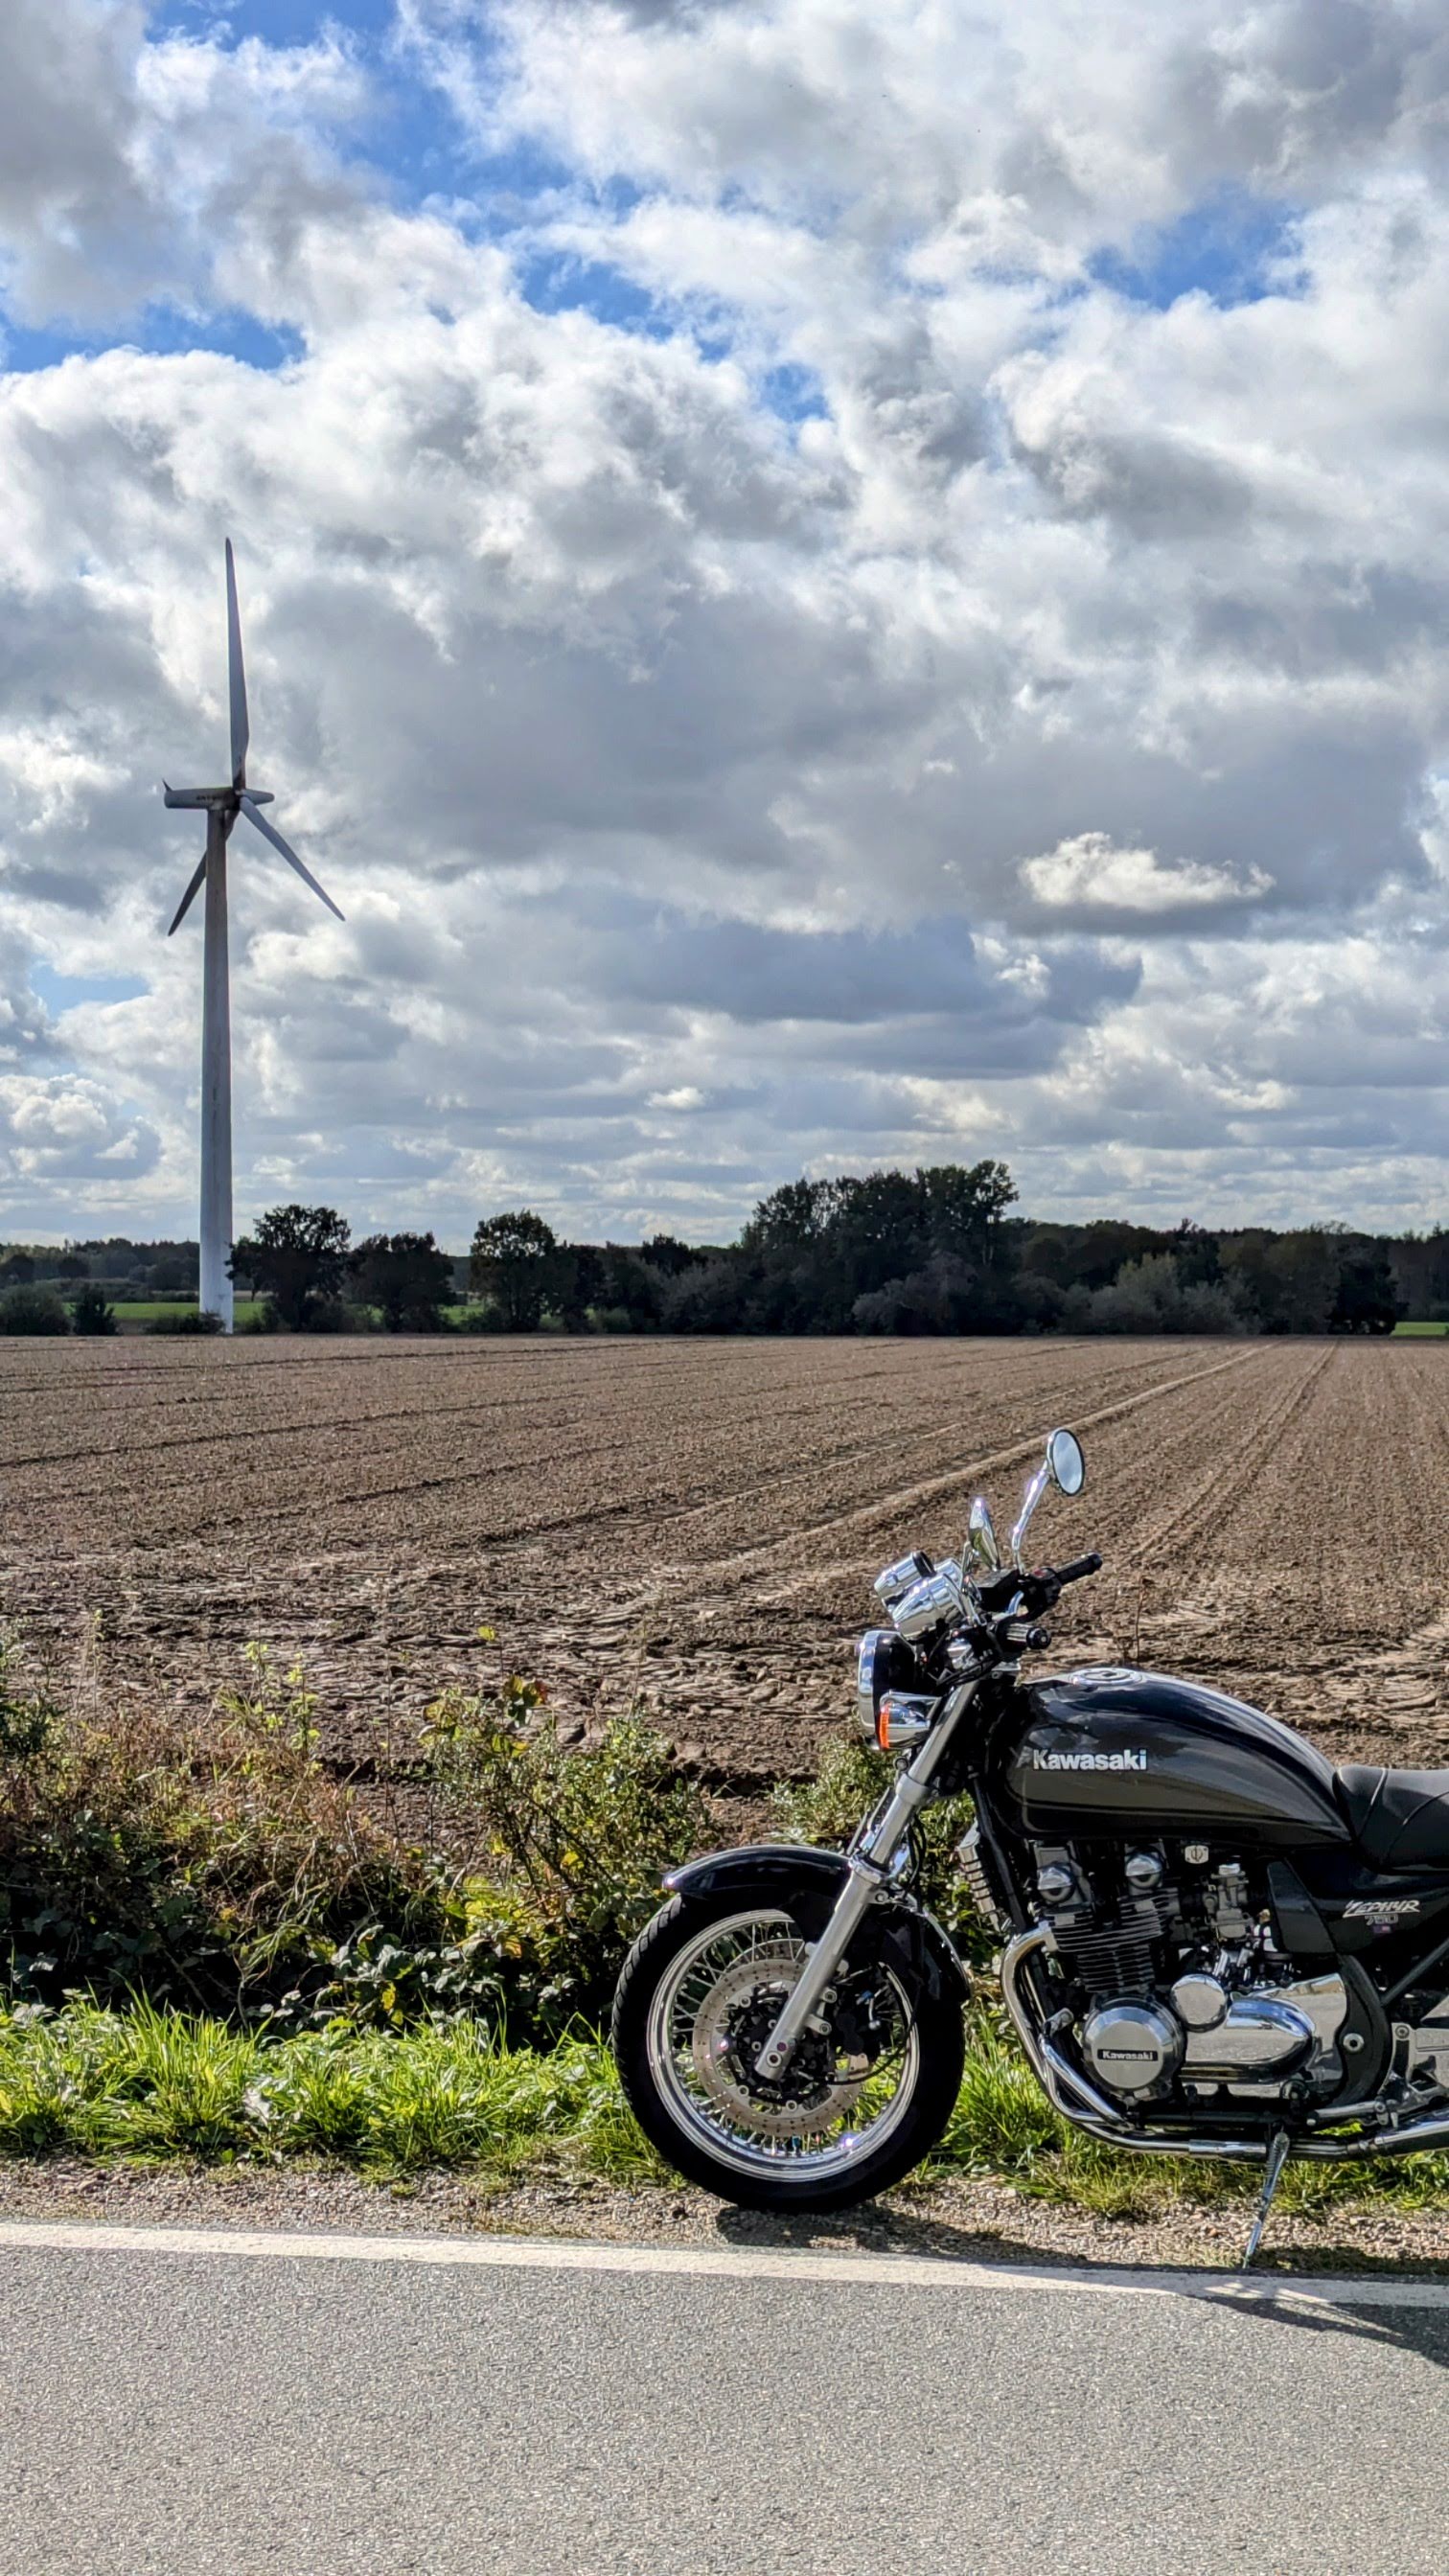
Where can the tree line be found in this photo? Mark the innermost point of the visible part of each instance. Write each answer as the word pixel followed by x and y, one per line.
pixel 937 1250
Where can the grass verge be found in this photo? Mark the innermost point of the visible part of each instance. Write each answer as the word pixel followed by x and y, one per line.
pixel 149 2085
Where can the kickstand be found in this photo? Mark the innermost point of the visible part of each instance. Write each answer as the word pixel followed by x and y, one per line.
pixel 1272 2172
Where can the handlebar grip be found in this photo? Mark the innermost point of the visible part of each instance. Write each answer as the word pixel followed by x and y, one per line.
pixel 1018 1633
pixel 1080 1566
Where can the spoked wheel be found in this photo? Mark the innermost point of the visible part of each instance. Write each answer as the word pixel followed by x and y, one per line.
pixel 865 2096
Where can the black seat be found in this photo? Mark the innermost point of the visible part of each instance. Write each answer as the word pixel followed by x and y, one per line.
pixel 1399 1819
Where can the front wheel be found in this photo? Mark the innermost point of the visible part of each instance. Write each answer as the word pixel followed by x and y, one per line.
pixel 867 2094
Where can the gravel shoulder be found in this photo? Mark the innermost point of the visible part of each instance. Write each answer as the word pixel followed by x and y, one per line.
pixel 981 2222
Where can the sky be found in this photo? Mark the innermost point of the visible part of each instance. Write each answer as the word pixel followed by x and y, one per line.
pixel 826 584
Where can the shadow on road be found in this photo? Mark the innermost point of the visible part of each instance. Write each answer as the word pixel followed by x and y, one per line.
pixel 878 2230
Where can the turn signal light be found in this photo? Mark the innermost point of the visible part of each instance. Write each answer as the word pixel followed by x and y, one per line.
pixel 903 1717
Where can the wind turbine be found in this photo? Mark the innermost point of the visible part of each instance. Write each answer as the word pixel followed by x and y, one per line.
pixel 221 806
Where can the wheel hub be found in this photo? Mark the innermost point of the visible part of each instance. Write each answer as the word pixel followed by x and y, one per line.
pixel 819 2087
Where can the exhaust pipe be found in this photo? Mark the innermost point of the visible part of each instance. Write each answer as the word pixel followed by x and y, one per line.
pixel 1077 2099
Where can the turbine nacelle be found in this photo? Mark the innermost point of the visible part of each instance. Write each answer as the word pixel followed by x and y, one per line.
pixel 214 800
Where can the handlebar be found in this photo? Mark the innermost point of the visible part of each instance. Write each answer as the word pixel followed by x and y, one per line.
pixel 1080 1566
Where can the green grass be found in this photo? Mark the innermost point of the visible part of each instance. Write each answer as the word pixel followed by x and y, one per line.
pixel 147 1310
pixel 148 2085
pixel 1419 1332
pixel 155 2084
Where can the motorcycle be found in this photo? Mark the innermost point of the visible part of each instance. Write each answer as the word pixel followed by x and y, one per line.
pixel 1213 1943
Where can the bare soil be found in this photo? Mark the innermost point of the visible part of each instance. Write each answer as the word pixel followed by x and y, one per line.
pixel 697 1523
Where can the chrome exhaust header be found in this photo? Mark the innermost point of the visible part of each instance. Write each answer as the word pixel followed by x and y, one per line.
pixel 1073 2094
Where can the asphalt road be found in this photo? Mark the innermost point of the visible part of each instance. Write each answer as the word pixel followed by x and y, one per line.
pixel 181 2402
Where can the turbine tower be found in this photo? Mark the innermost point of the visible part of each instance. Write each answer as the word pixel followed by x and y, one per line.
pixel 221 806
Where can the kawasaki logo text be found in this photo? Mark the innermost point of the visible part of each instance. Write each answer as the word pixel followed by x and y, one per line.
pixel 1087 1761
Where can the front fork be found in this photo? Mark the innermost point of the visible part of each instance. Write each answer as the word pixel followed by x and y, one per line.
pixel 868 1877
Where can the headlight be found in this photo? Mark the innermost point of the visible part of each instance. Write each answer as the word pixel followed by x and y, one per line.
pixel 884 1663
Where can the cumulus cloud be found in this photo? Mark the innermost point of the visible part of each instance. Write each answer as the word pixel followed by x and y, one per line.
pixel 1087 873
pixel 805 605
pixel 60 1134
pixel 122 158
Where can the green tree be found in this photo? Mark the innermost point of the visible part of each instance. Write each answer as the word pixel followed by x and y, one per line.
pixel 665 1252
pixel 407 1277
pixel 965 1206
pixel 790 1218
pixel 578 1284
pixel 91 1313
pixel 513 1261
pixel 297 1260
pixel 32 1310
pixel 1366 1299
pixel 71 1266
pixel 17 1268
pixel 173 1272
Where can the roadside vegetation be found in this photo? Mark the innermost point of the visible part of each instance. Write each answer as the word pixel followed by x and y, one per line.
pixel 211 1947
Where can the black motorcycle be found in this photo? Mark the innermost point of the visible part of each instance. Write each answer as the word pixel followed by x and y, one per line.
pixel 1214 1943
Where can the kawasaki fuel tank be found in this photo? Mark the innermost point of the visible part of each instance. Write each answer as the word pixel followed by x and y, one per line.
pixel 1112 1750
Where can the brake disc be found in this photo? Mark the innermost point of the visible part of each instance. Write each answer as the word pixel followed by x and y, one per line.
pixel 821 2086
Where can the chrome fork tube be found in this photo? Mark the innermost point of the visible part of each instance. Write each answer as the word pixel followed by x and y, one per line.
pixel 868 1875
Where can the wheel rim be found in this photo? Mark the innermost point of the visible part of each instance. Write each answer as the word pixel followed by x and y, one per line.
pixel 710 2013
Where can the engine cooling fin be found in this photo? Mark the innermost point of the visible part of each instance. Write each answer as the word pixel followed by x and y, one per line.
pixel 1110 1951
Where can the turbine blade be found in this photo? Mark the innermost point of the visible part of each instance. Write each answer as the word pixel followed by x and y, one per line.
pixel 237 678
pixel 192 891
pixel 270 833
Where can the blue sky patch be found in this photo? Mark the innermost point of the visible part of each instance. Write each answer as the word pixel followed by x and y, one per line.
pixel 1229 248
pixel 62 992
pixel 160 330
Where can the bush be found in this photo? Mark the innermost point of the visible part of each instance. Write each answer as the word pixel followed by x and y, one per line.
pixel 213 1865
pixel 1148 1296
pixel 580 1836
pixel 187 1319
pixel 480 1315
pixel 32 1310
pixel 91 1314
pixel 217 1866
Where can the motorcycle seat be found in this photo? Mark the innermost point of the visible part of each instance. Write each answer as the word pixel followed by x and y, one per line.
pixel 1399 1819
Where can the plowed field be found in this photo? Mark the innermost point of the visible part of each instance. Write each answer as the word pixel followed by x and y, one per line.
pixel 699 1522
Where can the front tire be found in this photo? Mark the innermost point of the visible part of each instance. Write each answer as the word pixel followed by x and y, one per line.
pixel 866 2098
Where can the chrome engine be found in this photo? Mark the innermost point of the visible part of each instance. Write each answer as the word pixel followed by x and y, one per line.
pixel 1178 1987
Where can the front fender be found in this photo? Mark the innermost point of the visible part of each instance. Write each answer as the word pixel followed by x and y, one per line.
pixel 772 1866
pixel 805 1882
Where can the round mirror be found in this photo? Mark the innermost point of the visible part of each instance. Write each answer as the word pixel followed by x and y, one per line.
pixel 981 1537
pixel 1064 1458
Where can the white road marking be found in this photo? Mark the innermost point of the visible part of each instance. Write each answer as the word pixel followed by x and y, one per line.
pixel 726 2262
